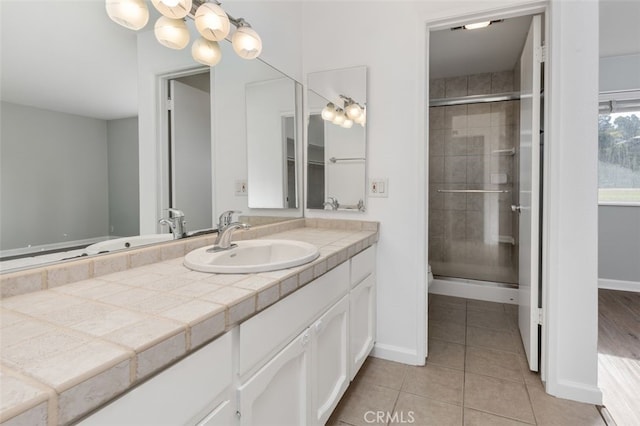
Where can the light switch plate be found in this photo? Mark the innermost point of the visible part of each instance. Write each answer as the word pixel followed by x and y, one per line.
pixel 379 187
pixel 241 188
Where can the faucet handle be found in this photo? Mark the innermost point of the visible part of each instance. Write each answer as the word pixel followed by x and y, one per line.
pixel 175 212
pixel 226 218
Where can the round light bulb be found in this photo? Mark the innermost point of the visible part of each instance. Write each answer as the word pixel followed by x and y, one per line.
pixel 246 42
pixel 361 119
pixel 172 33
pixel 353 111
pixel 329 112
pixel 347 123
pixel 206 52
pixel 132 14
pixel 339 118
pixel 176 9
pixel 212 22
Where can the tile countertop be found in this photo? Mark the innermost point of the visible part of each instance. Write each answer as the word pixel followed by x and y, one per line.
pixel 67 350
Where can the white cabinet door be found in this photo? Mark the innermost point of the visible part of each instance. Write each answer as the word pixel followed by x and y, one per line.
pixel 222 415
pixel 329 358
pixel 362 323
pixel 278 394
pixel 262 336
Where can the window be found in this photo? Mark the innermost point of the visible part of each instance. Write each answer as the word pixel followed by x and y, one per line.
pixel 619 150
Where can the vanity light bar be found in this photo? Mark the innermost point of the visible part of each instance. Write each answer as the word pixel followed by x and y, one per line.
pixel 212 22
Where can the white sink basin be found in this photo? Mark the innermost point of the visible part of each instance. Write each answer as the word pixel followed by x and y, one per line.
pixel 252 256
pixel 127 242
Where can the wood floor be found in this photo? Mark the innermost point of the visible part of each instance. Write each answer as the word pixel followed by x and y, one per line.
pixel 619 354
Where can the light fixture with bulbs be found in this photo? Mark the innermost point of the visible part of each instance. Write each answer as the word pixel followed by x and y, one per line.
pixel 211 21
pixel 352 112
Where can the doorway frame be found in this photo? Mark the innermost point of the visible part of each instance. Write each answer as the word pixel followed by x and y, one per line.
pixel 536 8
pixel 163 146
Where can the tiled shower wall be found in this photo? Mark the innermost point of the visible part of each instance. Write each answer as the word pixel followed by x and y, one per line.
pixel 473 235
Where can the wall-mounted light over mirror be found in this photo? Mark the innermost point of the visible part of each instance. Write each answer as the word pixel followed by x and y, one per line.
pixel 73 152
pixel 336 139
pixel 211 21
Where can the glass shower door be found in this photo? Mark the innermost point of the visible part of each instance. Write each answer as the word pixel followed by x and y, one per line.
pixel 472 230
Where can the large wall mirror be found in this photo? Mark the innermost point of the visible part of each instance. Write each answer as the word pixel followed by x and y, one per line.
pixel 72 161
pixel 336 139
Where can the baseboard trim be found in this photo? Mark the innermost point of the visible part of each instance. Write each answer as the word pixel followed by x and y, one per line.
pixel 473 290
pixel 575 391
pixel 396 353
pixel 608 284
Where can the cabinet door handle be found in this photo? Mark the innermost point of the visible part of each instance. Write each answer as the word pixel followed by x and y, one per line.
pixel 305 338
pixel 319 326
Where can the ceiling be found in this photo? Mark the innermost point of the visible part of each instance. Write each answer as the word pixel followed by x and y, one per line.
pixel 464 52
pixel 70 57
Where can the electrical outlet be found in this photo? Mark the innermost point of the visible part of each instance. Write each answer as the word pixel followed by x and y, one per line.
pixel 241 188
pixel 379 187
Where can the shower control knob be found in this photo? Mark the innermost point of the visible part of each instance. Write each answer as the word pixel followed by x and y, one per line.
pixel 515 208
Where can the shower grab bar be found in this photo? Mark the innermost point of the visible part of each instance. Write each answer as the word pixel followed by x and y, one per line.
pixel 476 191
pixel 335 160
pixel 511 151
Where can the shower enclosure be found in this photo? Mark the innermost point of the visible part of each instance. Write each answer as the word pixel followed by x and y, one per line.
pixel 473 179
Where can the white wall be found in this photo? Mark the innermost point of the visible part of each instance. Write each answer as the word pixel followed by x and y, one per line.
pixel 619 226
pixel 396 137
pixel 619 245
pixel 620 73
pixel 53 178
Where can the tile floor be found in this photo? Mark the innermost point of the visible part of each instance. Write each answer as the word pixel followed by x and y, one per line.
pixel 476 374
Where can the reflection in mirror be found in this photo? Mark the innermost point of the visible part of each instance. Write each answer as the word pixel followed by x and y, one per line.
pixel 336 145
pixel 69 172
pixel 72 164
pixel 189 135
pixel 270 107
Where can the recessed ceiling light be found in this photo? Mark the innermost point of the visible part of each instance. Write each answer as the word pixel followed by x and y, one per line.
pixel 476 25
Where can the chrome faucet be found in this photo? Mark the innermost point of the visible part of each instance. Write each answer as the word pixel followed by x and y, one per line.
pixel 176 222
pixel 333 203
pixel 226 226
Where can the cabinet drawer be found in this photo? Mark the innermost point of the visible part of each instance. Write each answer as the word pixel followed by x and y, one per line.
pixel 363 264
pixel 267 332
pixel 179 394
